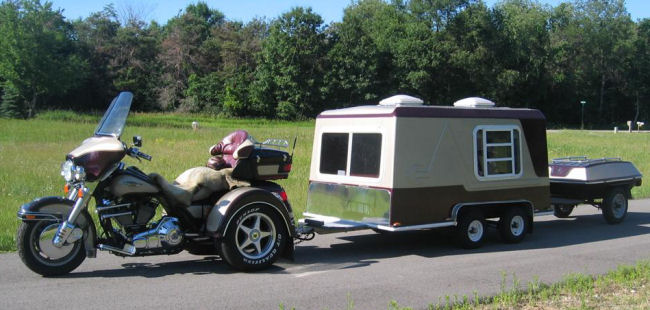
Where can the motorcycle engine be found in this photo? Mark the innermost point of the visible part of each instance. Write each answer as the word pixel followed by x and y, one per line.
pixel 166 235
pixel 142 211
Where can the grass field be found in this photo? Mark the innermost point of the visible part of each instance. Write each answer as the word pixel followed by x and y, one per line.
pixel 626 287
pixel 31 152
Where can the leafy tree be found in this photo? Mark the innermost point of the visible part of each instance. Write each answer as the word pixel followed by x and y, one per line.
pixel 358 70
pixel 188 49
pixel 639 86
pixel 240 45
pixel 438 14
pixel 134 64
pixel 97 37
pixel 466 52
pixel 37 52
pixel 12 105
pixel 522 44
pixel 291 66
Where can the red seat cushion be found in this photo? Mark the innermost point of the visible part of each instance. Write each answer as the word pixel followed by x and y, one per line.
pixel 222 152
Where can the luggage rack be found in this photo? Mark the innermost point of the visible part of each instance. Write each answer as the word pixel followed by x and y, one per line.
pixel 277 143
pixel 583 160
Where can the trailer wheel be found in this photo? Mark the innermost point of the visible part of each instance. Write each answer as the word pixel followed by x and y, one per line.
pixel 615 206
pixel 513 225
pixel 562 211
pixel 470 231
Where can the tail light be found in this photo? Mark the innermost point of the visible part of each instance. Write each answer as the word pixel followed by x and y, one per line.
pixel 285 168
pixel 284 196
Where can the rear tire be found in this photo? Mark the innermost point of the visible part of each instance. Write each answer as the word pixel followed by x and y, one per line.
pixel 562 211
pixel 615 206
pixel 255 238
pixel 35 248
pixel 471 228
pixel 513 225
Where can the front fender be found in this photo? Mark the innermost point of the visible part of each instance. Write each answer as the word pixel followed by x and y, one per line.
pixel 227 207
pixel 57 209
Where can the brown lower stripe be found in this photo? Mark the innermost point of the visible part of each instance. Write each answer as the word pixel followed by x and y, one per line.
pixel 415 206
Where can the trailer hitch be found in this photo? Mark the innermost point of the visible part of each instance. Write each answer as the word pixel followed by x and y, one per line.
pixel 304 233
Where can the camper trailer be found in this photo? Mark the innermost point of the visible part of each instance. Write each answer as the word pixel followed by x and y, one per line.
pixel 401 165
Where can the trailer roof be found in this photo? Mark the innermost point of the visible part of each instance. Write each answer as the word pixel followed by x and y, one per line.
pixel 431 112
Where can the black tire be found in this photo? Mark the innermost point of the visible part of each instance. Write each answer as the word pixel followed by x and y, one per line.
pixel 562 211
pixel 615 205
pixel 471 229
pixel 513 225
pixel 247 247
pixel 32 249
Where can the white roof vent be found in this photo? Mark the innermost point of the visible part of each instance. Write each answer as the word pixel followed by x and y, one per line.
pixel 474 102
pixel 401 100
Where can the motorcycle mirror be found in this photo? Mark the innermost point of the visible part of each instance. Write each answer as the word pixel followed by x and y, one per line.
pixel 137 141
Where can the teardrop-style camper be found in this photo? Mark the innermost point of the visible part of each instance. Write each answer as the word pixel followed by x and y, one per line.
pixel 401 165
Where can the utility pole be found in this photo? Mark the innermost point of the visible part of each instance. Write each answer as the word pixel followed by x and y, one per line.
pixel 582 118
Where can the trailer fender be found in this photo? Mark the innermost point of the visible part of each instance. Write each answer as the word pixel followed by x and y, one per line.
pixel 231 203
pixel 57 209
pixel 493 208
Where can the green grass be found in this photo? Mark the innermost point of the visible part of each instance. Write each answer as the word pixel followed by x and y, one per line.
pixel 31 152
pixel 626 287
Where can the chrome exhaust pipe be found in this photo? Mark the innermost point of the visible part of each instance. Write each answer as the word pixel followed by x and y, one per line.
pixel 128 249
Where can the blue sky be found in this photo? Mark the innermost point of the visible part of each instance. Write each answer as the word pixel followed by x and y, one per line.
pixel 245 10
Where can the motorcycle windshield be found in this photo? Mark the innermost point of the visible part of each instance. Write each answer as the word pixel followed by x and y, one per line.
pixel 114 119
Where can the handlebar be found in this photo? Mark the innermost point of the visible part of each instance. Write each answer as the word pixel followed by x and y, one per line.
pixel 135 152
pixel 144 156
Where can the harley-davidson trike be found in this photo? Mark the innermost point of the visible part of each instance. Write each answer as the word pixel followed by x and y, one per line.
pixel 229 208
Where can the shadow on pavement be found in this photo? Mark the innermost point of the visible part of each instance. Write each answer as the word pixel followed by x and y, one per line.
pixel 362 249
pixel 358 250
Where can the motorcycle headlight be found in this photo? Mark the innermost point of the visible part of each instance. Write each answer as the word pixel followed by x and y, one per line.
pixel 79 173
pixel 67 170
pixel 70 172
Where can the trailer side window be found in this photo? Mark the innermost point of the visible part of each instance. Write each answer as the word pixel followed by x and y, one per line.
pixel 334 153
pixel 366 155
pixel 497 152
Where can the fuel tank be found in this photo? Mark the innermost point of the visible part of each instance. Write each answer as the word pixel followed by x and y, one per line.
pixel 132 181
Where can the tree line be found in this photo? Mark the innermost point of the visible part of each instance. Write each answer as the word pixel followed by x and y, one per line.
pixel 518 53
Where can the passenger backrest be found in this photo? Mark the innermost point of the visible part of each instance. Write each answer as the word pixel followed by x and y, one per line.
pixel 226 153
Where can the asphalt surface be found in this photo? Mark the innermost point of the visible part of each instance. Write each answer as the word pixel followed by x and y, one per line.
pixel 365 269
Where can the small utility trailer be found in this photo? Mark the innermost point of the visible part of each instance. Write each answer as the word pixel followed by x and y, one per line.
pixel 400 166
pixel 604 183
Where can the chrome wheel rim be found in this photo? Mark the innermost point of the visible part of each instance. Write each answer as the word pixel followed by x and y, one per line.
pixel 517 225
pixel 45 251
pixel 255 236
pixel 619 205
pixel 475 230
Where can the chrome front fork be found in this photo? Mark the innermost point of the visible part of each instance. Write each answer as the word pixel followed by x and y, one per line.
pixel 67 231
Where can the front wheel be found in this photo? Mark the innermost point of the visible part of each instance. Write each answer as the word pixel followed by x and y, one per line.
pixel 255 238
pixel 38 253
pixel 615 206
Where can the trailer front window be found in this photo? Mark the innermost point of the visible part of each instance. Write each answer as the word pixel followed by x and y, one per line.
pixel 497 154
pixel 359 156
pixel 334 153
pixel 366 153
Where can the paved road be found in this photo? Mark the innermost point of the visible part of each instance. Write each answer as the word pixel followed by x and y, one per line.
pixel 364 268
